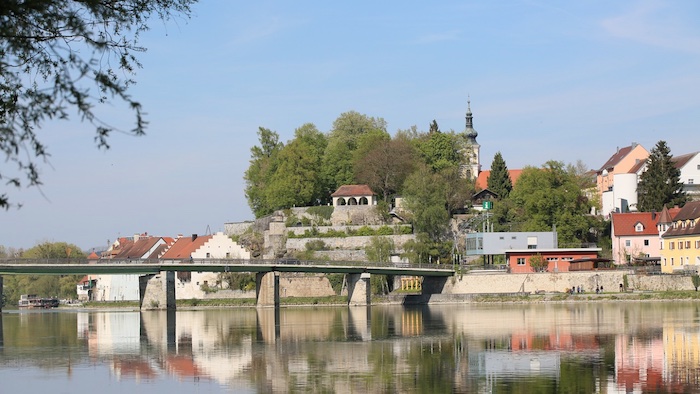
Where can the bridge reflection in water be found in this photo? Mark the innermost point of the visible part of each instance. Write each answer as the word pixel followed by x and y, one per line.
pixel 594 347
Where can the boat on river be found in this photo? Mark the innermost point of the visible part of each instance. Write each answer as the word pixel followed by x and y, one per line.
pixel 29 301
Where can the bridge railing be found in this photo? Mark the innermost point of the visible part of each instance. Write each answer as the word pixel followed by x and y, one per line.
pixel 210 261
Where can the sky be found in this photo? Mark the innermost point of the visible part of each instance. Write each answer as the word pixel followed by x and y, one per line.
pixel 547 80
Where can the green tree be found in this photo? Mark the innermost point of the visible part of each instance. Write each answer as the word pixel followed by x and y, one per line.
pixel 379 249
pixel 343 140
pixel 441 150
pixel 425 200
pixel 296 180
pixel 63 286
pixel 386 166
pixel 51 53
pixel 550 198
pixel 660 184
pixel 499 180
pixel 538 263
pixel 696 281
pixel 263 164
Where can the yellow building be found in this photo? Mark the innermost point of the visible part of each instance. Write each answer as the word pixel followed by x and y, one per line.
pixel 680 244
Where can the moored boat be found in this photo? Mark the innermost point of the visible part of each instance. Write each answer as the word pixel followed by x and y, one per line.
pixel 33 301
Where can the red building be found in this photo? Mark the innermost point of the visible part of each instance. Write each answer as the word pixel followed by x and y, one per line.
pixel 554 260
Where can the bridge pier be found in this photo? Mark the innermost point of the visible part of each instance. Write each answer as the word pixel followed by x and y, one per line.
pixel 267 289
pixel 359 289
pixel 433 284
pixel 2 296
pixel 157 291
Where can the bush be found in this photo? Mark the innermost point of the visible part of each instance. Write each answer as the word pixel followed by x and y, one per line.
pixel 384 230
pixel 316 245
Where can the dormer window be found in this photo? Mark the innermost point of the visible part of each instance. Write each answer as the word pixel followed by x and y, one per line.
pixel 639 227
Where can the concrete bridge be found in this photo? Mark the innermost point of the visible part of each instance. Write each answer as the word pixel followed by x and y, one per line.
pixel 157 277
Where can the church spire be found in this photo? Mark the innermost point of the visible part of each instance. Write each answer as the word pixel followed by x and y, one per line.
pixel 469 130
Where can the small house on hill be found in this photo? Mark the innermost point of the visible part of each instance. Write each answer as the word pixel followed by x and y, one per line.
pixel 354 195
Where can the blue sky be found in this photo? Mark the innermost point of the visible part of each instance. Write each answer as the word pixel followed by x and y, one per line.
pixel 548 80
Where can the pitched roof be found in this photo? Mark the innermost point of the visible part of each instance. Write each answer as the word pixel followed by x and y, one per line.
pixel 482 179
pixel 680 161
pixel 666 215
pixel 617 157
pixel 690 211
pixel 353 191
pixel 624 224
pixel 128 248
pixel 185 246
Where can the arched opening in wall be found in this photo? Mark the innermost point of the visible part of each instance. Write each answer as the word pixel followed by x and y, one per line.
pixel 352 201
pixel 341 201
pixel 363 201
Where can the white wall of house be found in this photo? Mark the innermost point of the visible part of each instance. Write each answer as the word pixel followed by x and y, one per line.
pixel 690 175
pixel 221 246
pixel 623 196
pixel 117 288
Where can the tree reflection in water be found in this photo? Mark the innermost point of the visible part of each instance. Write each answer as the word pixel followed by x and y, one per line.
pixel 572 348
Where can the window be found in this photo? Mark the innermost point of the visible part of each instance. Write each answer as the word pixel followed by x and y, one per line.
pixel 521 260
pixel 697 244
pixel 680 245
pixel 671 260
pixel 552 259
pixel 228 255
pixel 687 244
pixel 646 242
pixel 628 243
pixel 500 238
pixel 670 245
pixel 690 181
pixel 639 228
pixel 208 255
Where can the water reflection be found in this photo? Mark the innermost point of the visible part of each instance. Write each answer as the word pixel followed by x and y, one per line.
pixel 598 347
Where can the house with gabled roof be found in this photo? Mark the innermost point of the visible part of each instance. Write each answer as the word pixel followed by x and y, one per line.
pixel 125 287
pixel 689 165
pixel 635 237
pixel 620 169
pixel 680 244
pixel 196 250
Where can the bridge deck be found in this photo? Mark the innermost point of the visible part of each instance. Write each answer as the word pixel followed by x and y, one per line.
pixel 57 267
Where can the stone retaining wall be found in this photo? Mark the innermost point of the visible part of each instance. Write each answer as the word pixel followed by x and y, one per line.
pixel 346 242
pixel 484 283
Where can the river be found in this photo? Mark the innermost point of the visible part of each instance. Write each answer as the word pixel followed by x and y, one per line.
pixel 586 347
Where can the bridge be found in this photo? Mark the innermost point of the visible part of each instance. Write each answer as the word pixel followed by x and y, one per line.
pixel 157 277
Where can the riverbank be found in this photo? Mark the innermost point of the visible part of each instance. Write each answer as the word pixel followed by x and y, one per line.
pixel 421 299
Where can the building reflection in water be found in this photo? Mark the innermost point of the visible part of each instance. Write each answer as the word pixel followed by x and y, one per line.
pixel 601 347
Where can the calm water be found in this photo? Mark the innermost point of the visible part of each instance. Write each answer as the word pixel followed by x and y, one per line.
pixel 533 348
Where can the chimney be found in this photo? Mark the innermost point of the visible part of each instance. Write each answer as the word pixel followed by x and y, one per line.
pixel 136 237
pixel 194 236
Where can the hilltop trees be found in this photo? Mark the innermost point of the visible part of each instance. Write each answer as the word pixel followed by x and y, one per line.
pixel 64 57
pixel 263 164
pixel 343 141
pixel 550 198
pixel 660 184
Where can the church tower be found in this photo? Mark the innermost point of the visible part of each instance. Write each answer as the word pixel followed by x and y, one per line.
pixel 471 169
